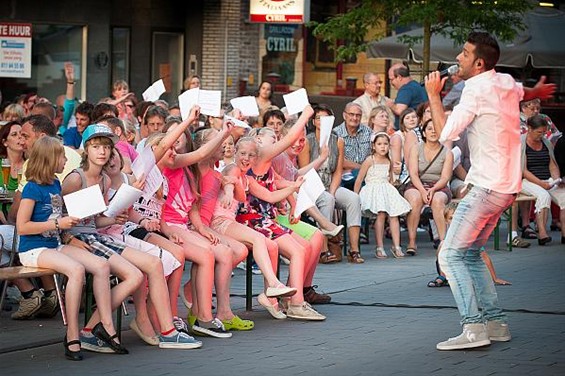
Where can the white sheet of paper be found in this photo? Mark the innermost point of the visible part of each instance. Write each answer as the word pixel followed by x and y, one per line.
pixel 153 92
pixel 247 105
pixel 236 122
pixel 186 100
pixel 309 192
pixel 210 102
pixel 153 181
pixel 326 126
pixel 144 163
pixel 86 202
pixel 123 199
pixel 456 156
pixel 296 101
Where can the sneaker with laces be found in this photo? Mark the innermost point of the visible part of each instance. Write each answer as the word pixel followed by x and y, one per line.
pixel 179 340
pixel 314 297
pixel 180 325
pixel 474 335
pixel 28 307
pixel 498 331
pixel 49 306
pixel 90 342
pixel 304 311
pixel 213 328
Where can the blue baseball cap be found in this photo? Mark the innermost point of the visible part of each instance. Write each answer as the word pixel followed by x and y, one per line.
pixel 98 130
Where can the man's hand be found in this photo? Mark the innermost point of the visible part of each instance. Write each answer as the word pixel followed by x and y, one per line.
pixel 542 90
pixel 434 83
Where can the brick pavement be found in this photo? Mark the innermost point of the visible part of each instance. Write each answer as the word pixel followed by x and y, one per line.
pixel 385 321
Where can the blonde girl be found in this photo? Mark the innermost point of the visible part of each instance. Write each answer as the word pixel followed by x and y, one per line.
pixel 40 223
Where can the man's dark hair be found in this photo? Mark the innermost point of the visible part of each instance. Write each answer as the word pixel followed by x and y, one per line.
pixel 102 109
pixel 537 121
pixel 112 122
pixel 322 107
pixel 402 71
pixel 155 111
pixel 44 108
pixel 85 108
pixel 41 124
pixel 486 48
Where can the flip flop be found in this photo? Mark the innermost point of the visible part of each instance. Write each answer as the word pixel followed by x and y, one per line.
pixel 237 323
pixel 411 251
pixel 439 281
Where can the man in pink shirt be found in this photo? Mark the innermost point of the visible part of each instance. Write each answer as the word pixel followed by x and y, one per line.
pixel 489 110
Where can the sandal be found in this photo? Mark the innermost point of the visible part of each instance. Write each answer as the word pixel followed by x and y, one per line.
pixel 528 233
pixel 237 323
pixel 328 258
pixel 354 257
pixel 411 251
pixel 439 281
pixel 397 252
pixel 380 253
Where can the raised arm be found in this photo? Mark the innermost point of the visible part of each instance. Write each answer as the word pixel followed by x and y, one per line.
pixel 541 90
pixel 172 136
pixel 203 152
pixel 293 134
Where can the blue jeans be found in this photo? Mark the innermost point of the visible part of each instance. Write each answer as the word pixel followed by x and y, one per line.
pixel 460 256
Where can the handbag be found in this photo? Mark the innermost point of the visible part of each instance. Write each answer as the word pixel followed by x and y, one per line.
pixel 401 186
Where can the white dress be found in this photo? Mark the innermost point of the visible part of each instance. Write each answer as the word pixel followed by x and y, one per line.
pixel 378 195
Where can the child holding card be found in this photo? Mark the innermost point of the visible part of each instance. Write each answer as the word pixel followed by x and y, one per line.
pixel 98 141
pixel 40 223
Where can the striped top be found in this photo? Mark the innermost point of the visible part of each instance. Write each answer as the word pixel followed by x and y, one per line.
pixel 537 162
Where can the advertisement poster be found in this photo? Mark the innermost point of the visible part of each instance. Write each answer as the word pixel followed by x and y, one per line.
pixel 279 11
pixel 15 50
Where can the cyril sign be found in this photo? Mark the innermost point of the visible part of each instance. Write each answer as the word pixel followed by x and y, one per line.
pixel 279 11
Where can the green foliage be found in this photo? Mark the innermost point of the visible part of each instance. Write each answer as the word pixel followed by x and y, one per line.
pixel 452 18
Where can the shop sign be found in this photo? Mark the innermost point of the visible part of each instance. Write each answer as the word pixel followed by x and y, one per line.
pixel 280 38
pixel 279 11
pixel 15 50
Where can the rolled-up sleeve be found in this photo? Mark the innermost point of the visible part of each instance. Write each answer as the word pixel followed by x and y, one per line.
pixel 463 114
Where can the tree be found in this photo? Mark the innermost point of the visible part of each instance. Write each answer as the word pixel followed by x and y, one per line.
pixel 452 18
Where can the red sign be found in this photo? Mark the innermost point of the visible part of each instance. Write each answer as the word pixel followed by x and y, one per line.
pixel 15 30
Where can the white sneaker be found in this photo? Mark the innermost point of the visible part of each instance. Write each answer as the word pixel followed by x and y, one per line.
pixel 304 311
pixel 498 331
pixel 474 335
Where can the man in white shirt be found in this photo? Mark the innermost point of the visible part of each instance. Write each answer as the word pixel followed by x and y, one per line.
pixel 371 98
pixel 489 110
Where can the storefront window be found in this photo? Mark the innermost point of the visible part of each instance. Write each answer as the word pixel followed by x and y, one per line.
pixel 52 46
pixel 167 62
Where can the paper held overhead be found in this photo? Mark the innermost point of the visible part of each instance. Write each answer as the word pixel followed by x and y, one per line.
pixel 210 102
pixel 85 203
pixel 247 105
pixel 236 122
pixel 153 92
pixel 296 101
pixel 326 126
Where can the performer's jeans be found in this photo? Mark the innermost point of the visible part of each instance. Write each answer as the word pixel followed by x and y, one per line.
pixel 460 256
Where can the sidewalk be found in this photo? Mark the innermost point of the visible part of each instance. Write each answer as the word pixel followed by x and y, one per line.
pixel 383 320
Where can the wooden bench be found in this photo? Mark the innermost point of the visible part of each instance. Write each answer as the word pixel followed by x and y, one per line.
pixel 16 272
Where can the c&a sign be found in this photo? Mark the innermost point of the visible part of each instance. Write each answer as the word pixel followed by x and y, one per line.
pixel 279 11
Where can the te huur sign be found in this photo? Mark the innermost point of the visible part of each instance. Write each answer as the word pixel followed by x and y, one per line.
pixel 279 11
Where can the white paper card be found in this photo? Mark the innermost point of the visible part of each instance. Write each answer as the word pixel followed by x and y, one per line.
pixel 123 199
pixel 186 101
pixel 236 122
pixel 144 163
pixel 326 126
pixel 456 156
pixel 247 105
pixel 153 181
pixel 210 102
pixel 153 92
pixel 296 101
pixel 309 192
pixel 85 203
